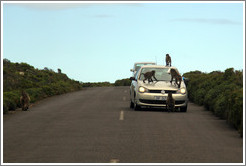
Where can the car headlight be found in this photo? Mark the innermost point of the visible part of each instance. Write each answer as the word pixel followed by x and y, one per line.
pixel 142 89
pixel 183 90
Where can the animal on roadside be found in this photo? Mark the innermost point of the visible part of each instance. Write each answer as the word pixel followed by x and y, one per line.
pixel 24 100
pixel 177 76
pixel 170 103
pixel 148 76
pixel 168 60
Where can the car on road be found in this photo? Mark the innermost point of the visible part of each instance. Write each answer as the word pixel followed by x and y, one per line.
pixel 138 65
pixel 154 94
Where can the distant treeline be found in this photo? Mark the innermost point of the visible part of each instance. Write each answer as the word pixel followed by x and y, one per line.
pixel 123 82
pixel 219 92
pixel 96 84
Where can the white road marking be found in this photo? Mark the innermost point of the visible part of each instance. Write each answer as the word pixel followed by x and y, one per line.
pixel 124 98
pixel 114 160
pixel 121 115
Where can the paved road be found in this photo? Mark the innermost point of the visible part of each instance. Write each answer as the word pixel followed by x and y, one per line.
pixel 96 125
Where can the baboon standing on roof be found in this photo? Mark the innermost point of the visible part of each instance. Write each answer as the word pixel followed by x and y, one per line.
pixel 168 60
pixel 24 100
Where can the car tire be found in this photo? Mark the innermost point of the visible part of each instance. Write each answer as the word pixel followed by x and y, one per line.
pixel 137 107
pixel 131 104
pixel 183 109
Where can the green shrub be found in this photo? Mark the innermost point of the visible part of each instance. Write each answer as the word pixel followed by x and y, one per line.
pixel 199 96
pixel 48 90
pixel 220 92
pixel 35 94
pixel 209 99
pixel 228 73
pixel 220 107
pixel 11 100
pixel 235 103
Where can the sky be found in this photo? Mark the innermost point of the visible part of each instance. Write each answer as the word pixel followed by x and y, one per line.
pixel 97 42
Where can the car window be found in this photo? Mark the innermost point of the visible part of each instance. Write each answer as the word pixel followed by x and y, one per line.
pixel 139 65
pixel 136 75
pixel 161 74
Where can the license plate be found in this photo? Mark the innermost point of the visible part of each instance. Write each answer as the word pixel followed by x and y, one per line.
pixel 160 97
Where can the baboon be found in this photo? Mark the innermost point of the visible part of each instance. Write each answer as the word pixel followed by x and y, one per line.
pixel 149 75
pixel 168 60
pixel 177 76
pixel 170 103
pixel 59 71
pixel 24 101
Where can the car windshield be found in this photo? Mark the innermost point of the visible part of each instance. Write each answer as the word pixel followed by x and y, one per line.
pixel 161 74
pixel 139 65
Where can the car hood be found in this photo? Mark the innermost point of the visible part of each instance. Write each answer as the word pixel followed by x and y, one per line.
pixel 157 85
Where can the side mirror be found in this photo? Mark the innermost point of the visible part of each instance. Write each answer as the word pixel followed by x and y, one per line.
pixel 131 70
pixel 186 81
pixel 132 78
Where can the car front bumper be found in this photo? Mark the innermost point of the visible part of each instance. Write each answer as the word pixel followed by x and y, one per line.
pixel 149 99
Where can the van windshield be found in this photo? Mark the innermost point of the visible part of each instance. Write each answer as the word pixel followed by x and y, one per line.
pixel 139 65
pixel 161 74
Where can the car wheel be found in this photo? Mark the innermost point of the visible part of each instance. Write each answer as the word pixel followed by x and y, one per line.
pixel 131 104
pixel 183 109
pixel 137 107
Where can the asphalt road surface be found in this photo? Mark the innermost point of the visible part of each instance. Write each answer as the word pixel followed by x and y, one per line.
pixel 96 125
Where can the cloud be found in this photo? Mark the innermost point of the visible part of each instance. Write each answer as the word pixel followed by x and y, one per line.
pixel 102 16
pixel 208 21
pixel 62 6
pixel 49 6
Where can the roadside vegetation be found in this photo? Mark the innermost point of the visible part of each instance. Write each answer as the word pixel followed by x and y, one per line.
pixel 37 83
pixel 220 92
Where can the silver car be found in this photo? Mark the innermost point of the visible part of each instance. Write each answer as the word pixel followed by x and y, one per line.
pixel 154 94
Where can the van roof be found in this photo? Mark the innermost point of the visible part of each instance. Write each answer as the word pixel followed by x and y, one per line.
pixel 143 62
pixel 159 66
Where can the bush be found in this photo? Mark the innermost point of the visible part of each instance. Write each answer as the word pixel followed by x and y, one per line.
pixel 220 106
pixel 35 94
pixel 235 114
pixel 220 92
pixel 209 99
pixel 48 90
pixel 199 96
pixel 11 100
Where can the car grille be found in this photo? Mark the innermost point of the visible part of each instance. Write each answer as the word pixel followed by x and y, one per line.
pixel 159 91
pixel 159 101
